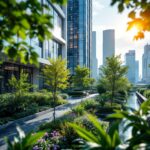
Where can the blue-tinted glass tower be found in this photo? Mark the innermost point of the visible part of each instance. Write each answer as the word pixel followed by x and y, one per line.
pixel 79 33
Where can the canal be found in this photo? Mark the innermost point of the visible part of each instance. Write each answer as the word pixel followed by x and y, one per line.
pixel 132 103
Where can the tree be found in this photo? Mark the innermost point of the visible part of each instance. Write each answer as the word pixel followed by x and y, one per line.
pixel 20 86
pixel 82 79
pixel 20 21
pixel 139 14
pixel 113 76
pixel 56 77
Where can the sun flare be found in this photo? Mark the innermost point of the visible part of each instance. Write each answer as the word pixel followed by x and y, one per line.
pixel 134 31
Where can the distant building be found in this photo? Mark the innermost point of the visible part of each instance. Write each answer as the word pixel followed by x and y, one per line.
pixel 94 61
pixel 146 64
pixel 108 44
pixel 136 71
pixel 131 63
pixel 79 33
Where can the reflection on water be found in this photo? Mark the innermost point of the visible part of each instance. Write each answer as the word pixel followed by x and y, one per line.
pixel 132 103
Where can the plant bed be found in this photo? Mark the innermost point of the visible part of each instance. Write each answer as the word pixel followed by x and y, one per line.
pixel 12 108
pixel 61 135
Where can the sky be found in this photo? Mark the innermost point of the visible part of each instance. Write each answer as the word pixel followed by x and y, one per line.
pixel 107 17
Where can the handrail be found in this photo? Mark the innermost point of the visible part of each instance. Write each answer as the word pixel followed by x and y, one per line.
pixel 140 98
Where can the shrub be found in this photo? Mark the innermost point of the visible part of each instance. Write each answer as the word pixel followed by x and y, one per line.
pixel 69 134
pixel 77 93
pixel 101 100
pixel 26 104
pixel 50 126
pixel 78 110
pixel 64 96
pixel 88 104
pixel 33 108
pixel 147 94
pixel 101 89
pixel 142 90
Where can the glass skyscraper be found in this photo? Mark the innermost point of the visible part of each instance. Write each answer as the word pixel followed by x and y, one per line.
pixel 49 48
pixel 79 33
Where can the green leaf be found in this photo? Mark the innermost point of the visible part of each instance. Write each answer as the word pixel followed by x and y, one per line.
pixel 132 15
pixel 25 23
pixel 84 133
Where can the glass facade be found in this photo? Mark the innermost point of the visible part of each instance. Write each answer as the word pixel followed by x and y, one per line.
pixel 79 25
pixel 49 48
pixel 52 49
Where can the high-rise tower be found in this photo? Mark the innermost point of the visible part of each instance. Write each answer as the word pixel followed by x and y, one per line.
pixel 145 64
pixel 108 44
pixel 79 33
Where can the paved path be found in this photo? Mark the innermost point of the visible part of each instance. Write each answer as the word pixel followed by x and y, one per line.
pixel 33 124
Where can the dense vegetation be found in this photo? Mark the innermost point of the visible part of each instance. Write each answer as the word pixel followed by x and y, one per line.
pixel 17 107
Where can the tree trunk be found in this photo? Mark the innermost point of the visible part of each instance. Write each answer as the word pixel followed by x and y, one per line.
pixel 54 112
pixel 113 93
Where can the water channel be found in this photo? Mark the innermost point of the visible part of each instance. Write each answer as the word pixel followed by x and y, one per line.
pixel 132 103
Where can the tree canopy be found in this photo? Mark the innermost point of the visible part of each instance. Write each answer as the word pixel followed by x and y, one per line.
pixel 113 76
pixel 56 76
pixel 82 79
pixel 21 21
pixel 139 15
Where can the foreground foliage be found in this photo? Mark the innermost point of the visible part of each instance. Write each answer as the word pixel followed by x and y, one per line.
pixel 23 142
pixel 136 120
pixel 22 21
pixel 139 15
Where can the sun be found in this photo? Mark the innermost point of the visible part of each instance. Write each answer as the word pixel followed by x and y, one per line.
pixel 133 31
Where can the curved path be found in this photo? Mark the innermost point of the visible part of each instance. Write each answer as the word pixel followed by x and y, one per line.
pixel 34 123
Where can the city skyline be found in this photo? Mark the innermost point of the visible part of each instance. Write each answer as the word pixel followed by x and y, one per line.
pixel 124 40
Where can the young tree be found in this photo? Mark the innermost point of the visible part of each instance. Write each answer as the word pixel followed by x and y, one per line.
pixel 82 79
pixel 56 77
pixel 113 76
pixel 139 14
pixel 20 86
pixel 24 19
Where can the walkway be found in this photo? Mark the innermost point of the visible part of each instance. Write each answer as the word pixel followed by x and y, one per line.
pixel 33 124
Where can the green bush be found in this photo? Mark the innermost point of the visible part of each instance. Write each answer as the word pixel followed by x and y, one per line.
pixel 77 93
pixel 142 90
pixel 26 104
pixel 78 110
pixel 57 125
pixel 101 89
pixel 147 94
pixel 64 96
pixel 33 108
pixel 88 104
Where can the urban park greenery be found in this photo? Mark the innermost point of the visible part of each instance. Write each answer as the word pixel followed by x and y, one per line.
pixel 56 77
pixel 81 78
pixel 113 78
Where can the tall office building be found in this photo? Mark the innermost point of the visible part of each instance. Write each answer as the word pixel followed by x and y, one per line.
pixel 79 33
pixel 145 64
pixel 137 71
pixel 49 48
pixel 94 61
pixel 131 63
pixel 108 44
